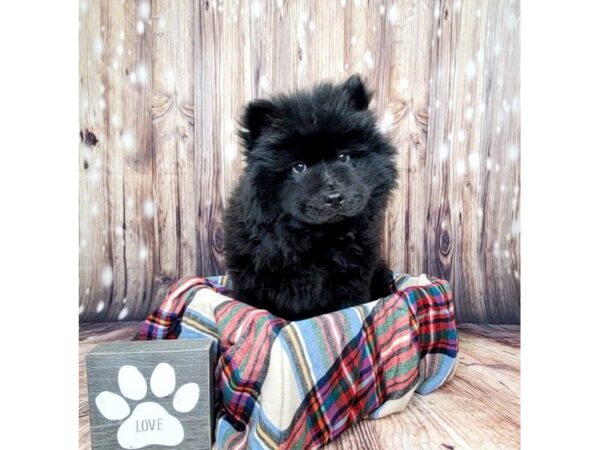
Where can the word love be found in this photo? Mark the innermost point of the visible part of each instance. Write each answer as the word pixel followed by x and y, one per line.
pixel 149 425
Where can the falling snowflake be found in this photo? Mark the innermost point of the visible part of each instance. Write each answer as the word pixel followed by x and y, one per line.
pixel 98 46
pixel 81 308
pixel 368 58
pixel 444 152
pixel 127 140
pixel 144 10
pixel 106 276
pixel 100 307
pixel 461 136
pixel 94 209
pixel 139 27
pixel 255 8
pixel 142 73
pixel 460 167
pixel 473 161
pixel 457 5
pixel 170 78
pixel 488 164
pixel 311 26
pixel 393 14
pixel 148 208
pixel 470 69
pixel 469 113
pixel 403 83
pixel 123 313
pixel 382 10
pixel 115 120
pixel 120 50
pixel 386 122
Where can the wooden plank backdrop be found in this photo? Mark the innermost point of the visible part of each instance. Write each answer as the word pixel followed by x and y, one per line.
pixel 162 83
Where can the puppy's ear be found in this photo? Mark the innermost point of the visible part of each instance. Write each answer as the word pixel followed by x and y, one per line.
pixel 255 117
pixel 357 92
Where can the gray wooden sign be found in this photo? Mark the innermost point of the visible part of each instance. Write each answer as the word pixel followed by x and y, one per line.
pixel 151 394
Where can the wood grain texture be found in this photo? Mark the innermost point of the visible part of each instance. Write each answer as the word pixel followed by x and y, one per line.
pixel 162 86
pixel 479 408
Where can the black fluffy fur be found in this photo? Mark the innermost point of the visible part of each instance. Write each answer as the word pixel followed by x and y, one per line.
pixel 288 248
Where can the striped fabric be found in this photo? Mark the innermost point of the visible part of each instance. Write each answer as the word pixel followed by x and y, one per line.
pixel 297 385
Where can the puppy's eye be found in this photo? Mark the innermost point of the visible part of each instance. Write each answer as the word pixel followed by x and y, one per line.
pixel 299 167
pixel 343 157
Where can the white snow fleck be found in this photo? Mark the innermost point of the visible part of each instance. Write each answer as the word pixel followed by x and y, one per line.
pixel 81 308
pixel 392 14
pixel 263 82
pixel 343 3
pixel 119 231
pixel 279 3
pixel 94 176
pixel 100 307
pixel 436 12
pixel 386 122
pixel 403 83
pixel 439 32
pixel 121 34
pixel 83 243
pixel 148 208
pixel 450 136
pixel 515 228
pixel 457 5
pixel 129 204
pixel 87 291
pixel 144 10
pixel 368 58
pixel 470 69
pixel 98 46
pixel 142 73
pixel 505 106
pixel 255 8
pixel 469 113
pixel 353 40
pixel 133 78
pixel 497 168
pixel 128 140
pixel 382 10
pixel 513 152
pixel 498 129
pixel 143 253
pixel 479 212
pixel 83 6
pixel 357 2
pixel 120 50
pixel 480 55
pixel 502 188
pixel 497 48
pixel 162 23
pixel 516 273
pixel 102 103
pixel 311 26
pixel 115 64
pixel 468 98
pixel 437 103
pixel 489 163
pixel 94 209
pixel 139 27
pixel 461 136
pixel 115 120
pixel 473 161
pixel 170 78
pixel 506 254
pixel 230 152
pixel 444 151
pixel 106 276
pixel 123 313
pixel 460 167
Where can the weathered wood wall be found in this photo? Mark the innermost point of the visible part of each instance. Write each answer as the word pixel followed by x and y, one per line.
pixel 162 83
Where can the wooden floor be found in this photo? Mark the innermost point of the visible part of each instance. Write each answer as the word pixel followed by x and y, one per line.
pixel 478 409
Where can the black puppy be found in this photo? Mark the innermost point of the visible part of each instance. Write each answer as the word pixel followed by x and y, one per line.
pixel 302 227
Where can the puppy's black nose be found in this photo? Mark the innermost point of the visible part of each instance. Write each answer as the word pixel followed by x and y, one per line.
pixel 334 200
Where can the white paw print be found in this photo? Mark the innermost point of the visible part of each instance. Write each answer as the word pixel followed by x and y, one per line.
pixel 150 423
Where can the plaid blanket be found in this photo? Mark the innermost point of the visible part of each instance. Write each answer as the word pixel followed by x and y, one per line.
pixel 296 385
